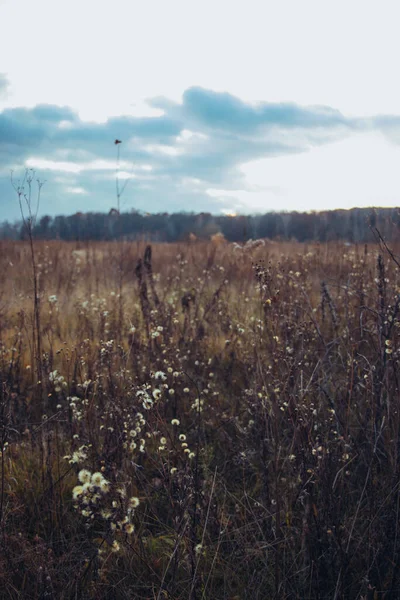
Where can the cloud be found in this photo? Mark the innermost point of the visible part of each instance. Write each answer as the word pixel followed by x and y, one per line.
pixel 3 85
pixel 226 112
pixel 174 157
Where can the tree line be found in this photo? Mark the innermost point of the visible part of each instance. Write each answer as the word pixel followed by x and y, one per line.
pixel 354 225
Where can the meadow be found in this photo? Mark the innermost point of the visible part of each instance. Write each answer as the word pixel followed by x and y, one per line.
pixel 199 421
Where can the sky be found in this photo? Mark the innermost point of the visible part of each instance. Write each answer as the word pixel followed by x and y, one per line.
pixel 225 107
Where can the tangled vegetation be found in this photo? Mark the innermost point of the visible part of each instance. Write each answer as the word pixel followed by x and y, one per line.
pixel 199 421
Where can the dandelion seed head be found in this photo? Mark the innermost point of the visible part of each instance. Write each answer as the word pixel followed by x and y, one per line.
pixel 129 528
pixel 105 486
pixel 84 476
pixel 160 375
pixel 156 394
pixel 77 492
pixel 97 479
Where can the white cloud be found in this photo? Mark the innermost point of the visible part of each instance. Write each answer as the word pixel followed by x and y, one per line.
pixel 163 149
pixel 53 165
pixel 77 190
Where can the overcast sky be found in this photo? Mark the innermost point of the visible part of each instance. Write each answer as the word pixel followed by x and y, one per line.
pixel 221 106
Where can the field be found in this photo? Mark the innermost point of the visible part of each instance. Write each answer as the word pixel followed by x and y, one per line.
pixel 199 421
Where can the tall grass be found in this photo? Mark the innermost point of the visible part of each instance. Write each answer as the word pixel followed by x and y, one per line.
pixel 211 422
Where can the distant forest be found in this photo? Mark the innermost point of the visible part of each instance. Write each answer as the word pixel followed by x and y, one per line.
pixel 353 225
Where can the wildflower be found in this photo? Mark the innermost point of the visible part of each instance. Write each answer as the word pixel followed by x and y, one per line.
pixel 182 437
pixel 105 486
pixel 53 375
pixel 163 441
pixel 134 502
pixel 198 404
pixel 191 455
pixel 160 375
pixel 173 470
pixel 198 548
pixel 78 456
pixel 115 546
pixel 186 390
pixel 175 422
pixel 129 528
pixel 147 403
pixel 97 479
pixel 53 299
pixel 77 491
pixel 84 476
pixel 156 394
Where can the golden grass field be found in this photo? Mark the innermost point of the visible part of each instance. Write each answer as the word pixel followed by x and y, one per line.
pixel 199 421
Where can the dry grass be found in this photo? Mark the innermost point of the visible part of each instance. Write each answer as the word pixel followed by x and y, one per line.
pixel 239 409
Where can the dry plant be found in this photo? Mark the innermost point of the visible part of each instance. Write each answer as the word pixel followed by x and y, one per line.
pixel 216 423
